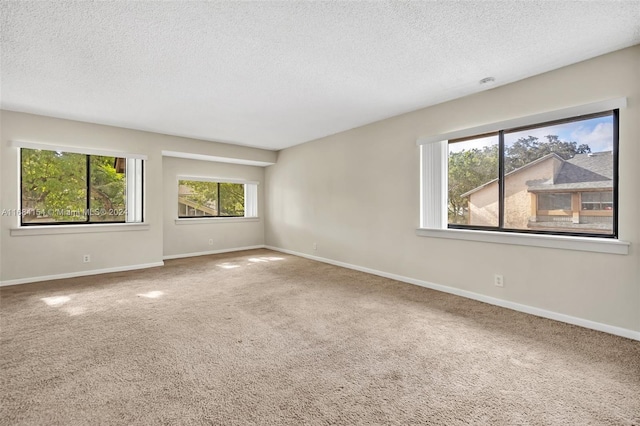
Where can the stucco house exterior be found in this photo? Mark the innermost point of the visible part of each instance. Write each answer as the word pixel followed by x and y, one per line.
pixel 551 193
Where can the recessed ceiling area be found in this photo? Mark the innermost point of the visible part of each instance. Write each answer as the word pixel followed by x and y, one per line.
pixel 276 74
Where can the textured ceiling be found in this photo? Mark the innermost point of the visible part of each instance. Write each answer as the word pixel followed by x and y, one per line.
pixel 276 74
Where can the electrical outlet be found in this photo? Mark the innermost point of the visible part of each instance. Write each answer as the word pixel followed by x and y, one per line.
pixel 86 258
pixel 315 246
pixel 210 241
pixel 498 280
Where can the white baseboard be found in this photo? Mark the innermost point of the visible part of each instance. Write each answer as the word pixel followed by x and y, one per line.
pixel 79 274
pixel 118 268
pixel 618 331
pixel 204 253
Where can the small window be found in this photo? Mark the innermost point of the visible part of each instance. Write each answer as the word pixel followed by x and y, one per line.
pixel 200 198
pixel 552 201
pixel 597 200
pixel 70 188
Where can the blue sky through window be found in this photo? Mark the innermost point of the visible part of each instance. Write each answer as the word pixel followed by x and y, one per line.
pixel 595 132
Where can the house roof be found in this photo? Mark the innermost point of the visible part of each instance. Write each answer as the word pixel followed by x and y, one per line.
pixel 562 187
pixel 584 171
pixel 518 170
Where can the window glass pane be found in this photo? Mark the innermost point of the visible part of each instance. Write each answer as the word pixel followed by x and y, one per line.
pixel 197 199
pixel 569 158
pixel 473 182
pixel 54 186
pixel 554 201
pixel 597 200
pixel 231 199
pixel 107 199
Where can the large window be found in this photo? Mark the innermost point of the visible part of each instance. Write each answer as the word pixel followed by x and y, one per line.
pixel 553 173
pixel 70 188
pixel 581 159
pixel 556 177
pixel 213 198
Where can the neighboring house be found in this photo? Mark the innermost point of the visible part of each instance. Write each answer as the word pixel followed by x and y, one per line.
pixel 551 193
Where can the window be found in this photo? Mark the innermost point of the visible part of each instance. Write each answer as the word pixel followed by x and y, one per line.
pixel 597 200
pixel 202 197
pixel 526 178
pixel 510 182
pixel 59 187
pixel 554 201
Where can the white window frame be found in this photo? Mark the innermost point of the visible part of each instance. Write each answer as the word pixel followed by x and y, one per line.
pixel 433 187
pixel 250 201
pixel 135 192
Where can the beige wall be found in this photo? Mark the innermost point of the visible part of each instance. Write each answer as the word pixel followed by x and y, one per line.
pixel 193 237
pixel 31 256
pixel 356 194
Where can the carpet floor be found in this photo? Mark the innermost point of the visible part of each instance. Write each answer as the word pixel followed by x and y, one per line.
pixel 260 337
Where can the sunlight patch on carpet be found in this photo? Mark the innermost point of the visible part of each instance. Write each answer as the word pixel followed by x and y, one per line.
pixel 264 259
pixel 228 265
pixel 152 294
pixel 56 301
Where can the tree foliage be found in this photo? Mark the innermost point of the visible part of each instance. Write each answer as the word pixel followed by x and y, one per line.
pixel 526 150
pixel 469 169
pixel 107 190
pixel 230 197
pixel 54 187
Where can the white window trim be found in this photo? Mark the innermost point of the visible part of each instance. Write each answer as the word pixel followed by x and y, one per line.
pixel 77 229
pixel 433 188
pixel 598 245
pixel 209 220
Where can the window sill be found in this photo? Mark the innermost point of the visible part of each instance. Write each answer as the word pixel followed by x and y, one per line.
pixel 196 221
pixel 77 229
pixel 598 245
